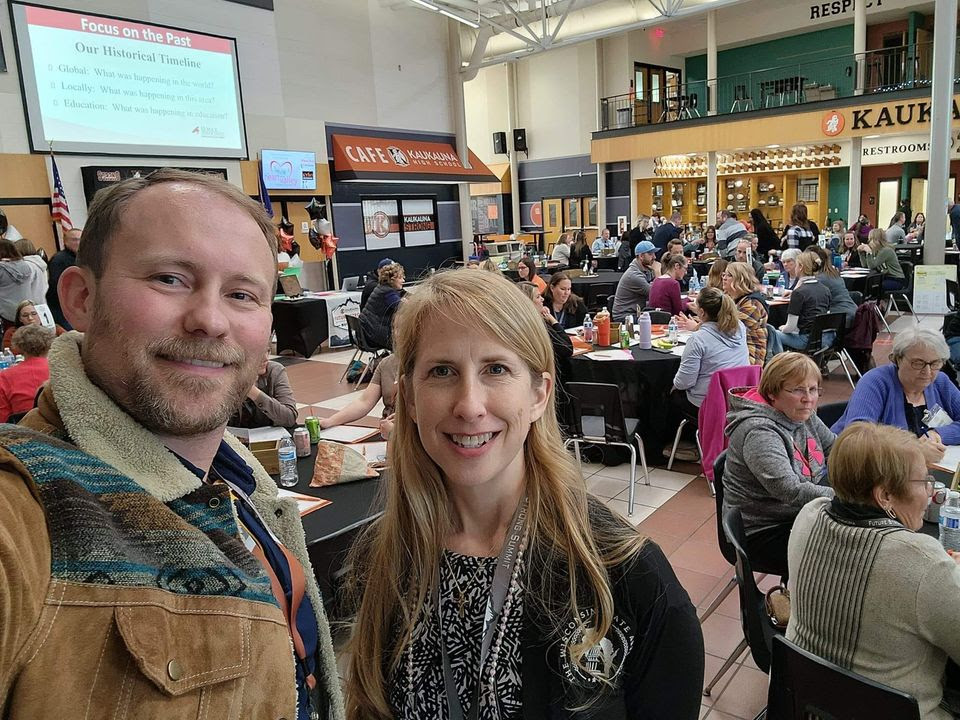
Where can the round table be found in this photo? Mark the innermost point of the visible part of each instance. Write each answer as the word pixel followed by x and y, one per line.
pixel 586 286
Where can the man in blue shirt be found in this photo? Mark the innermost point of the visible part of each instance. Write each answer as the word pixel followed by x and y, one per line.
pixel 667 232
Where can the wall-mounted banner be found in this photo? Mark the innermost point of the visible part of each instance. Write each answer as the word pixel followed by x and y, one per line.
pixel 843 9
pixel 884 117
pixel 381 224
pixel 366 157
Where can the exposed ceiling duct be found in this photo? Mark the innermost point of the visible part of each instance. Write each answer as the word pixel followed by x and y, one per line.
pixel 513 29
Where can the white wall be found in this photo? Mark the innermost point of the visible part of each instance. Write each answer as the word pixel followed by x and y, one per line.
pixel 485 103
pixel 305 63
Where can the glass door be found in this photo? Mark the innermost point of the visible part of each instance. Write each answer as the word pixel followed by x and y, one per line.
pixel 888 200
pixel 656 88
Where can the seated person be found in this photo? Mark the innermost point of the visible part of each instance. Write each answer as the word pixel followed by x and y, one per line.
pixel 527 272
pixel 878 255
pixel 840 300
pixel 489 265
pixel 776 459
pixel 849 257
pixel 26 315
pixel 559 340
pixel 674 247
pixel 376 317
pixel 910 393
pixel 809 299
pixel 787 263
pixel 633 290
pixel 740 283
pixel 383 386
pixel 580 251
pixel 744 254
pixel 561 251
pixel 270 400
pixel 562 304
pixel 720 343
pixel 665 290
pixel 373 281
pixel 603 245
pixel 703 245
pixel 20 383
pixel 868 592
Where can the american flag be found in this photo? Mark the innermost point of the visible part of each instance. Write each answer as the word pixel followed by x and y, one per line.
pixel 60 209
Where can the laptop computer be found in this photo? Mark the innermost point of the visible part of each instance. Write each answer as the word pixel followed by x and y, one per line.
pixel 290 284
pixel 350 284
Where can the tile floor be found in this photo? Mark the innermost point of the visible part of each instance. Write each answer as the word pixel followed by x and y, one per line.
pixel 676 511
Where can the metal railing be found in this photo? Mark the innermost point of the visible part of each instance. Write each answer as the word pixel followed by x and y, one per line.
pixel 876 71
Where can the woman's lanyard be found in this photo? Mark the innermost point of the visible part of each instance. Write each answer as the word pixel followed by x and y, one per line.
pixel 561 316
pixel 498 595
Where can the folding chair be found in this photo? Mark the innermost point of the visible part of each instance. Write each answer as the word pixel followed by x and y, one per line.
pixel 597 417
pixel 806 687
pixel 822 353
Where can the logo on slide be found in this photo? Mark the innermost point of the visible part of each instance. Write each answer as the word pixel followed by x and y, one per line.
pixel 398 156
pixel 285 168
pixel 196 130
pixel 380 224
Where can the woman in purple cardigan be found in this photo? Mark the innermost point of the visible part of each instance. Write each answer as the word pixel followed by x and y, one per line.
pixel 911 393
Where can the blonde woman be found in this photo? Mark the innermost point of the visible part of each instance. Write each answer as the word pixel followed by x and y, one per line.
pixel 491 267
pixel 740 283
pixel 561 251
pixel 493 586
pixel 877 255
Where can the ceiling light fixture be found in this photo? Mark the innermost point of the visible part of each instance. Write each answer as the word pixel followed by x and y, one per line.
pixel 456 17
pixel 427 5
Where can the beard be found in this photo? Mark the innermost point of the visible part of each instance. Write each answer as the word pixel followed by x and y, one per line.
pixel 166 401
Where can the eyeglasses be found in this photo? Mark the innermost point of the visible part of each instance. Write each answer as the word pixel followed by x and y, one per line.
pixel 921 365
pixel 805 392
pixel 928 481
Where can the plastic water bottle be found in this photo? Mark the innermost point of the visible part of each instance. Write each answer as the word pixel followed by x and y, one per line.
pixel 624 337
pixel 6 359
pixel 694 283
pixel 672 330
pixel 643 330
pixel 781 284
pixel 587 329
pixel 950 522
pixel 287 452
pixel 766 283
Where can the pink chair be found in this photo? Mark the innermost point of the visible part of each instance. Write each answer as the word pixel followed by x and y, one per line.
pixel 713 413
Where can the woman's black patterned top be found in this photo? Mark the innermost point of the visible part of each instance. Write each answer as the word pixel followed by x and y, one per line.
pixel 423 671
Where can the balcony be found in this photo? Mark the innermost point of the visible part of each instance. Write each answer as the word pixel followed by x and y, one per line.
pixel 877 71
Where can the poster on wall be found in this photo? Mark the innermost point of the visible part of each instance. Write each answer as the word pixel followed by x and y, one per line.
pixel 381 224
pixel 419 223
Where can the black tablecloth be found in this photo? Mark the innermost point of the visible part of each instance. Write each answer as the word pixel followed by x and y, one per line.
pixel 584 285
pixel 300 325
pixel 331 530
pixel 645 383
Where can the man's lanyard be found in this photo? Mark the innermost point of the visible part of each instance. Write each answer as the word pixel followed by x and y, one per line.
pixel 498 595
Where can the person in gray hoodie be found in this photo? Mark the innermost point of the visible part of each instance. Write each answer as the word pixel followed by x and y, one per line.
pixel 18 281
pixel 777 456
pixel 720 343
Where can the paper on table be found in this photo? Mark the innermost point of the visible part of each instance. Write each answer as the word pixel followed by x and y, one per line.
pixel 374 452
pixel 611 355
pixel 261 434
pixel 950 459
pixel 305 503
pixel 348 433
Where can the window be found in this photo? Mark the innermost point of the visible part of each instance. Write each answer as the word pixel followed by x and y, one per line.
pixel 808 190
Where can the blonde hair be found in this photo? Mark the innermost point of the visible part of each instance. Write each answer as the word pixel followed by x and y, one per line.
pixel 866 454
pixel 395 563
pixel 783 368
pixel 490 266
pixel 808 264
pixel 877 239
pixel 721 309
pixel 743 280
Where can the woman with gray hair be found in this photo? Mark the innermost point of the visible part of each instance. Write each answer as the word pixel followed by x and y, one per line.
pixel 911 393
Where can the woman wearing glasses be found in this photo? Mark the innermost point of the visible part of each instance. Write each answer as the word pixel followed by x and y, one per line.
pixel 911 393
pixel 868 593
pixel 776 460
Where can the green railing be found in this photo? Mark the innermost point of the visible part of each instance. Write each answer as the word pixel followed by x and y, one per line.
pixel 876 71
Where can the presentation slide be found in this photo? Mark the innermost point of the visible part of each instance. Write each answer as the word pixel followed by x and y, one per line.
pixel 95 84
pixel 289 169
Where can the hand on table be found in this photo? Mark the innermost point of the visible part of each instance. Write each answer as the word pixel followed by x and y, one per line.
pixel 933 448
